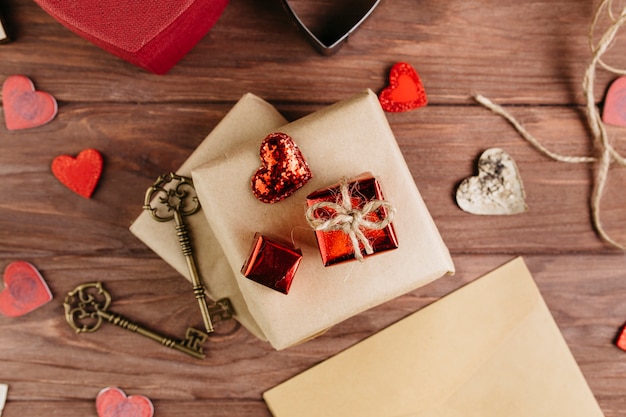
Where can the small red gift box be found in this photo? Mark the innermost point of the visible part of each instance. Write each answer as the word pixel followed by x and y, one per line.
pixel 349 215
pixel 272 264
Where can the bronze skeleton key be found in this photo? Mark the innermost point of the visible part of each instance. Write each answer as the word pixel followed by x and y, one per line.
pixel 86 308
pixel 178 199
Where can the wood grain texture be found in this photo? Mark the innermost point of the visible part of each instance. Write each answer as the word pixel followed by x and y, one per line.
pixel 527 55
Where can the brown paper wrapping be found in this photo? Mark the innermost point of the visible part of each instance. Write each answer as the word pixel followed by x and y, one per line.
pixel 248 120
pixel 345 139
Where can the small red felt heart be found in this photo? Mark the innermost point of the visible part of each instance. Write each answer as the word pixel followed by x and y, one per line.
pixel 80 174
pixel 283 171
pixel 620 340
pixel 24 290
pixel 614 112
pixel 113 402
pixel 24 107
pixel 405 91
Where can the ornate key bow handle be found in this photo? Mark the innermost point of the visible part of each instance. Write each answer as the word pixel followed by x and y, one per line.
pixel 175 195
pixel 82 307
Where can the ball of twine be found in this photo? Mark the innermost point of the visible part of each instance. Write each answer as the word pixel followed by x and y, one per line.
pixel 341 215
pixel 607 153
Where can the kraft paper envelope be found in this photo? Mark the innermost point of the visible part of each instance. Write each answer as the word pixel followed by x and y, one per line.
pixel 490 349
pixel 251 118
pixel 344 139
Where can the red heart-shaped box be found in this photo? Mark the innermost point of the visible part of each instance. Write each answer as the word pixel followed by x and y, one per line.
pixel 152 34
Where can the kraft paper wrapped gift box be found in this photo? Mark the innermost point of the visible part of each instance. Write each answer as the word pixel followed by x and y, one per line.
pixel 248 120
pixel 345 139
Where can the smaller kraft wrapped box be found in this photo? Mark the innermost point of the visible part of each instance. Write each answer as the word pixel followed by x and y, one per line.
pixel 344 140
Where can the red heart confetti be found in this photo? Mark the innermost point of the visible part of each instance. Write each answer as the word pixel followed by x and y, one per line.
pixel 24 107
pixel 80 174
pixel 614 112
pixel 284 169
pixel 24 290
pixel 113 402
pixel 405 91
pixel 620 340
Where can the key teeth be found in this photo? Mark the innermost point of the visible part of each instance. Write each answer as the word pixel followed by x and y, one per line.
pixel 222 310
pixel 194 339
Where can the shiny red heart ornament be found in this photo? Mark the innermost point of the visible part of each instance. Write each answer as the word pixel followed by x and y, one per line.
pixel 283 171
pixel 24 107
pixel 405 91
pixel 152 34
pixel 614 111
pixel 24 290
pixel 113 402
pixel 80 174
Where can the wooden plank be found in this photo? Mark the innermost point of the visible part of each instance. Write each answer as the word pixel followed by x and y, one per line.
pixel 43 361
pixel 218 408
pixel 522 52
pixel 440 145
pixel 528 55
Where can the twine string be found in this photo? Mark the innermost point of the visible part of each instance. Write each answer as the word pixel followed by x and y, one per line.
pixel 352 221
pixel 607 153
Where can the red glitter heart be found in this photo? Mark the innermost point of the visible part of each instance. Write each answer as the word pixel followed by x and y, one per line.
pixel 24 290
pixel 614 112
pixel 284 169
pixel 405 91
pixel 25 108
pixel 80 174
pixel 113 402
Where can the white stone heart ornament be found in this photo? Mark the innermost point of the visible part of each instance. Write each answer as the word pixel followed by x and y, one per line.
pixel 4 388
pixel 496 190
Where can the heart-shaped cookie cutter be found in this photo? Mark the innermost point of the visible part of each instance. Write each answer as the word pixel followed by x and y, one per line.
pixel 345 18
pixel 4 36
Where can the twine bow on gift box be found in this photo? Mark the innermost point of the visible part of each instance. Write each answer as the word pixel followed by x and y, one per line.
pixel 345 217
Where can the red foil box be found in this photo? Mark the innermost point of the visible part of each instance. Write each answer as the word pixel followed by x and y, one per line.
pixel 272 264
pixel 336 246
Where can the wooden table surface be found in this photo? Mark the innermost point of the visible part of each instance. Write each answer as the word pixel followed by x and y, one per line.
pixel 529 55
